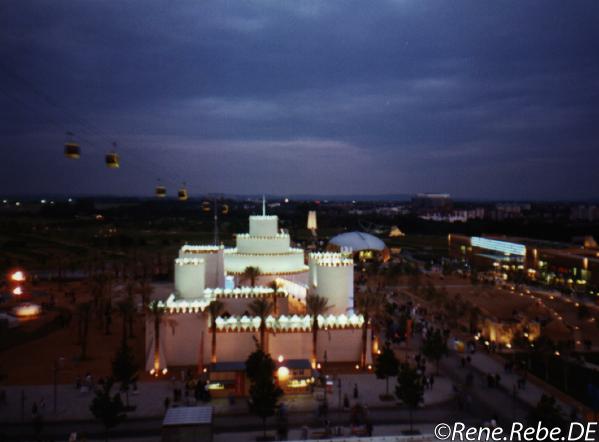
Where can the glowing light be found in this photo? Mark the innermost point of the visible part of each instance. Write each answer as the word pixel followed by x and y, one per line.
pixel 17 291
pixel 18 276
pixel 318 366
pixel 27 310
pixel 280 358
pixel 357 366
pixel 369 367
pixel 283 373
pixel 205 370
pixel 509 248
pixel 164 370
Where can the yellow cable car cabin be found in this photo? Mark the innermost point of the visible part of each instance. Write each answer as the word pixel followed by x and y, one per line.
pixel 72 150
pixel 71 147
pixel 225 209
pixel 160 191
pixel 206 206
pixel 182 194
pixel 112 160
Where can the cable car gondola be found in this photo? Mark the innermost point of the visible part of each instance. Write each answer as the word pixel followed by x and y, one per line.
pixel 71 148
pixel 206 206
pixel 112 158
pixel 160 190
pixel 182 194
pixel 225 209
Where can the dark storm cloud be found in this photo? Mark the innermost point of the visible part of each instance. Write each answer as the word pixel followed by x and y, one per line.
pixel 476 98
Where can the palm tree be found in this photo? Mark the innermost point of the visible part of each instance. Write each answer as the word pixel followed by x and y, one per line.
pixel 251 273
pixel 101 285
pixel 126 309
pixel 83 310
pixel 130 289
pixel 215 309
pixel 474 314
pixel 157 313
pixel 261 308
pixel 369 304
pixel 315 305
pixel 275 287
pixel 145 289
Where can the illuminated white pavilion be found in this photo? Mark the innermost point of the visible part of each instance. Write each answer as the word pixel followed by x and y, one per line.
pixel 204 273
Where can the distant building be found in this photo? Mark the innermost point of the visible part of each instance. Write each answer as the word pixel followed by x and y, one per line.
pixel 363 245
pixel 544 261
pixel 454 216
pixel 584 213
pixel 432 201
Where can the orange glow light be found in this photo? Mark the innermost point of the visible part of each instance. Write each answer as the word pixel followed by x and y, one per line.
pixel 17 291
pixel 18 276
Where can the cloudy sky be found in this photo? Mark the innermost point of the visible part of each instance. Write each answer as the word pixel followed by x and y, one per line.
pixel 481 99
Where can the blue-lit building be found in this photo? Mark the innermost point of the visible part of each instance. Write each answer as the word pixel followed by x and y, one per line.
pixel 542 261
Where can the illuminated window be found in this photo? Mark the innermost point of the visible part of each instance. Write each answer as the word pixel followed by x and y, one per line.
pixel 508 248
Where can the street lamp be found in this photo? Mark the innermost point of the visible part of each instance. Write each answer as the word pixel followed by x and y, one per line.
pixel 57 365
pixel 326 385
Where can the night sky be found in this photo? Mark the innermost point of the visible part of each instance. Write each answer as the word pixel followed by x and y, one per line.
pixel 482 99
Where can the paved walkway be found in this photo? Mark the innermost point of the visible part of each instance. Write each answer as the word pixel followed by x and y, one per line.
pixel 149 401
pixel 532 392
pixel 293 435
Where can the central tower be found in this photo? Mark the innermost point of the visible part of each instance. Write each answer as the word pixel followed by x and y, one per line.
pixel 267 248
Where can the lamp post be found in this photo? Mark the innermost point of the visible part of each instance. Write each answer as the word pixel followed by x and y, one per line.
pixel 326 384
pixel 339 391
pixel 57 363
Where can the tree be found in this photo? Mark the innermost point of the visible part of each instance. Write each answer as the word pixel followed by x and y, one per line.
pixel 130 289
pixel 145 289
pixel 125 368
pixel 109 410
pixel 126 309
pixel 545 347
pixel 101 286
pixel 547 412
pixel 474 314
pixel 369 304
pixel 156 313
pixel 385 365
pixel 84 315
pixel 261 308
pixel 409 389
pixel 275 287
pixel 251 273
pixel 215 309
pixel 434 346
pixel 315 305
pixel 583 312
pixel 264 393
pixel 257 363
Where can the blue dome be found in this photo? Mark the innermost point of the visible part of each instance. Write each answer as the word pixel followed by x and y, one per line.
pixel 358 241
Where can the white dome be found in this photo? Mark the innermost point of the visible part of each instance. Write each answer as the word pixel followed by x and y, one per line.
pixel 358 241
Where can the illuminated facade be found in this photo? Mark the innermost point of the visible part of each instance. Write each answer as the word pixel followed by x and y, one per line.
pixel 201 272
pixel 542 261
